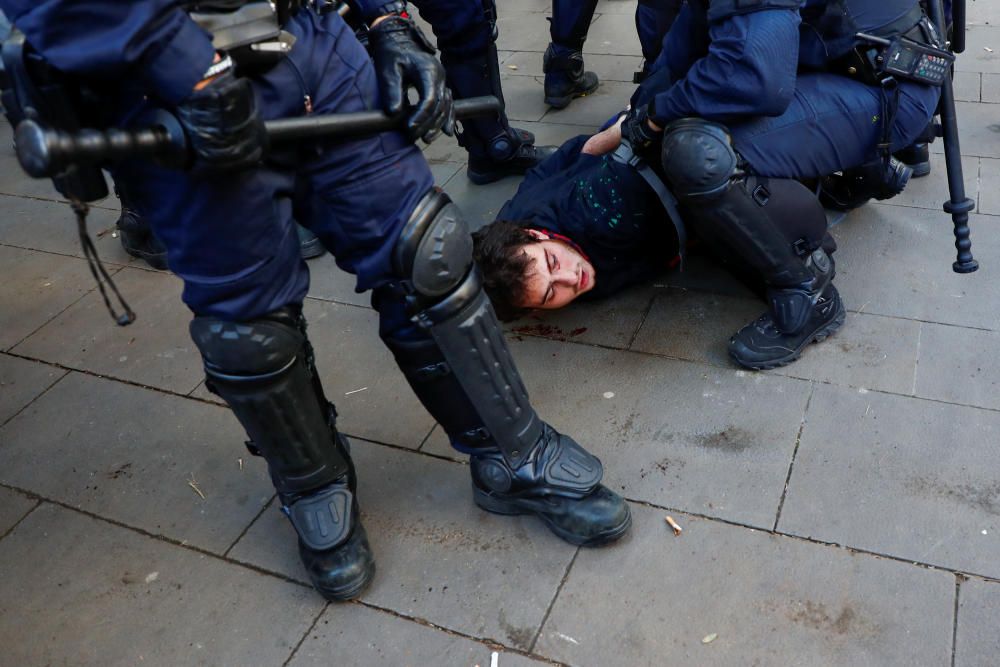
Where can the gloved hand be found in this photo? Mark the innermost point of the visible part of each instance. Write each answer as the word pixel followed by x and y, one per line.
pixel 645 141
pixel 403 57
pixel 222 124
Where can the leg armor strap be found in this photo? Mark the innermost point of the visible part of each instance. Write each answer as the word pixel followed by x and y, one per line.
pixel 263 369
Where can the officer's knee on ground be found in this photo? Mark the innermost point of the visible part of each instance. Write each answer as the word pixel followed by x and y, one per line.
pixel 698 158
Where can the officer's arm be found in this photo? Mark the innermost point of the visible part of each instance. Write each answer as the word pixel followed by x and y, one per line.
pixel 749 70
pixel 151 41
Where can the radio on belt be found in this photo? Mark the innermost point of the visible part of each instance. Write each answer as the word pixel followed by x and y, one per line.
pixel 906 59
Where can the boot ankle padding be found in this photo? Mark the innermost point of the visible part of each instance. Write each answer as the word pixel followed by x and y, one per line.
pixel 263 371
pixel 791 307
pixel 445 298
pixel 323 519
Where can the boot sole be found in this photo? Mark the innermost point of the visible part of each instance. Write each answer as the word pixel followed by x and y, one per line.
pixel 495 505
pixel 920 169
pixel 819 336
pixel 559 102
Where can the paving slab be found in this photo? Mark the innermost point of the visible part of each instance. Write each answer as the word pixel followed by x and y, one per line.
pixel 440 558
pixel 481 203
pixel 978 130
pixel 328 282
pixel 968 86
pixel 897 475
pixel 671 433
pixel 13 507
pixel 137 600
pixel 615 34
pixel 989 195
pixel 524 97
pixel 981 48
pixel 606 67
pixel 607 322
pixel 156 350
pixel 355 636
pixel 977 641
pixel 21 381
pixel 51 227
pixel 932 191
pixel 767 600
pixel 982 12
pixel 959 365
pixel 522 31
pixel 990 90
pixel 703 273
pixel 897 261
pixel 37 286
pixel 128 454
pixel 593 110
pixel 626 7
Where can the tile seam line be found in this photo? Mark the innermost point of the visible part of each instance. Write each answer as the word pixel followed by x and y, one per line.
pixel 38 503
pixel 823 543
pixel 266 506
pixel 49 200
pixel 795 452
pixel 552 602
pixel 305 635
pixel 954 626
pixel 35 398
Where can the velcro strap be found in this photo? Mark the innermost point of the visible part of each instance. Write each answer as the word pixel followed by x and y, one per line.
pixel 323 520
pixel 569 468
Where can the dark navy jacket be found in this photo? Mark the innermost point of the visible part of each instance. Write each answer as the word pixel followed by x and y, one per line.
pixel 605 208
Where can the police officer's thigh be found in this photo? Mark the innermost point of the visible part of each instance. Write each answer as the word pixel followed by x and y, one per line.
pixel 832 123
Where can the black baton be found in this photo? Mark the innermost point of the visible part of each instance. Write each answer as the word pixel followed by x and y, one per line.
pixel 44 152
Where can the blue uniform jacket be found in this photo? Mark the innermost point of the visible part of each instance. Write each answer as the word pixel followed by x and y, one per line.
pixel 152 43
pixel 603 206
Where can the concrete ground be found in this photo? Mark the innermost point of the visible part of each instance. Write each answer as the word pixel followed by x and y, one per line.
pixel 844 510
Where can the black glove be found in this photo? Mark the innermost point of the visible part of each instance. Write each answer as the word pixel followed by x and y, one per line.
pixel 644 140
pixel 403 57
pixel 222 124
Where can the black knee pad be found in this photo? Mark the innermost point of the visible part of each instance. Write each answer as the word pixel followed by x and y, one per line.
pixel 698 158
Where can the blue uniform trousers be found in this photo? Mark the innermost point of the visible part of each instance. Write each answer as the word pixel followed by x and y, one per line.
pixel 231 236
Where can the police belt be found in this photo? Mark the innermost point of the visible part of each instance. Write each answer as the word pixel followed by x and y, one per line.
pixel 625 155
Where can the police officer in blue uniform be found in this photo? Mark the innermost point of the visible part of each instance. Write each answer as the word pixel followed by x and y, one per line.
pixel 227 225
pixel 747 98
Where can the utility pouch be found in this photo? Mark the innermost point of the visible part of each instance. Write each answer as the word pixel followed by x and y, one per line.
pixel 251 34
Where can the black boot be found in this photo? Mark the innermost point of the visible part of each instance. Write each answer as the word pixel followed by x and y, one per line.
pixel 508 155
pixel 264 370
pixel 798 316
pixel 565 77
pixel 918 157
pixel 138 239
pixel 559 483
pixel 853 188
pixel 309 244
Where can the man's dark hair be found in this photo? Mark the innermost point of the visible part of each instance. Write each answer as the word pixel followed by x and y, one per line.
pixel 498 249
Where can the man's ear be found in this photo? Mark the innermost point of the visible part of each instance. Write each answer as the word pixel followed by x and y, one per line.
pixel 540 235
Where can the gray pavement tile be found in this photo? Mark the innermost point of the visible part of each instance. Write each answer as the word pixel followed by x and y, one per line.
pixel 932 191
pixel 329 282
pixel 982 49
pixel 522 31
pixel 978 130
pixel 703 273
pixel 351 357
pixel 595 109
pixel 769 600
pixel 481 203
pixel 444 171
pixel 695 325
pixel 356 636
pixel 900 476
pixel 982 12
pixel 613 34
pixel 77 591
pixel 626 7
pixel 897 261
pixel 869 351
pixel 128 454
pixel 155 350
pixel 50 226
pixel 959 365
pixel 36 287
pixel 444 149
pixel 13 507
pixel 607 67
pixel 609 322
pixel 440 558
pixel 669 432
pixel 991 88
pixel 21 381
pixel 524 97
pixel 968 86
pixel 977 641
pixel 989 195
pixel 505 6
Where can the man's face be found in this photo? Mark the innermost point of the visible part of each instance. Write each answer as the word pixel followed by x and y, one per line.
pixel 557 274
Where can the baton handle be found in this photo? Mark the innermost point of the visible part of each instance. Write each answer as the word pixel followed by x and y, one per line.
pixel 45 152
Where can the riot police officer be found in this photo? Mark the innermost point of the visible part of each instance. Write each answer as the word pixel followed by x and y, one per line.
pixel 748 97
pixel 227 225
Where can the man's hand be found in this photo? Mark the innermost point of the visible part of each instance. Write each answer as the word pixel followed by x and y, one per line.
pixel 221 122
pixel 605 141
pixel 644 136
pixel 403 57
